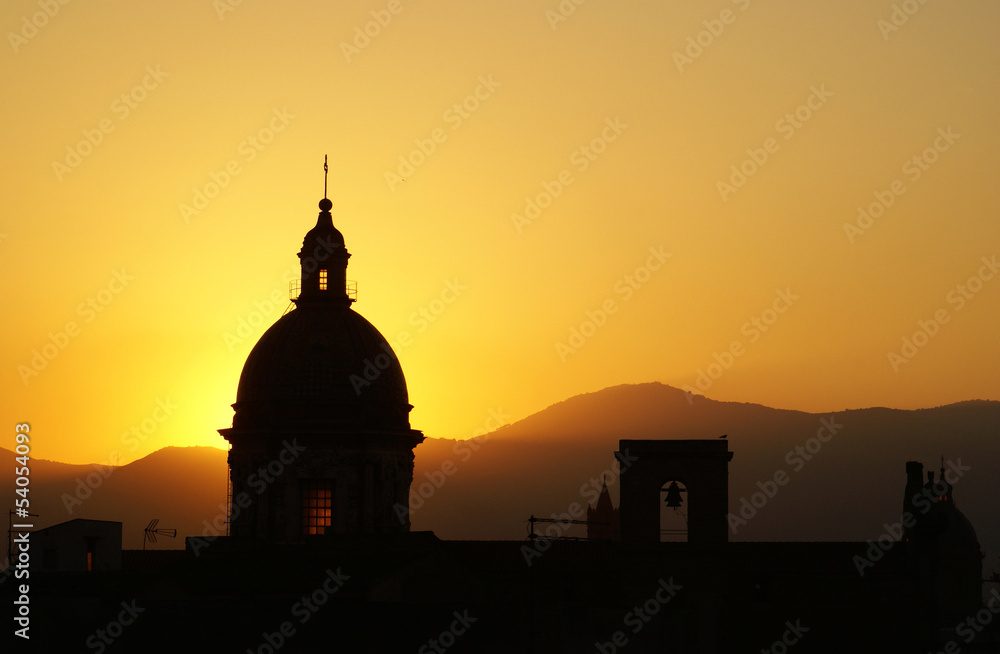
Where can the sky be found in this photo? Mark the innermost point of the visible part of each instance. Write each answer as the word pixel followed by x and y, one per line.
pixel 787 203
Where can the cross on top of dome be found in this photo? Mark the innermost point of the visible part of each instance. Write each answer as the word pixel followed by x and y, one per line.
pixel 325 204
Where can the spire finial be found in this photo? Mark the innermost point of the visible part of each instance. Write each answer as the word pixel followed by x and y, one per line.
pixel 325 204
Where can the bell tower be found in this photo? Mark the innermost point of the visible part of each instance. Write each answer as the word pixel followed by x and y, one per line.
pixel 701 466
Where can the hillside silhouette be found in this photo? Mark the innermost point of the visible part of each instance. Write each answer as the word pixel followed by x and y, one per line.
pixel 179 485
pixel 846 491
pixel 487 488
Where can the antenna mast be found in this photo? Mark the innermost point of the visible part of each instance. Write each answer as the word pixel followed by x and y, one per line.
pixel 151 531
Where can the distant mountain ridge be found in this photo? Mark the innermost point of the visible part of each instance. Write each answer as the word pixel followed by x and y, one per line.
pixel 846 490
pixel 179 485
pixel 860 470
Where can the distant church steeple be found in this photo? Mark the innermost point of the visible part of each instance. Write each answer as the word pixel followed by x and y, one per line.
pixel 602 519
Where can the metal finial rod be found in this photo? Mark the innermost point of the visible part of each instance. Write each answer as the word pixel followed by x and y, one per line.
pixel 326 170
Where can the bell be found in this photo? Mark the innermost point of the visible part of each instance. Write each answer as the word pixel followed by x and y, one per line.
pixel 673 499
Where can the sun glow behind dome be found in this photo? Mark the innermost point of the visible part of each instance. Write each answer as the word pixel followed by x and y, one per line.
pixel 235 112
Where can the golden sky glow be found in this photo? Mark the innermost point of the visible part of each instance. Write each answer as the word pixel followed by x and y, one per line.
pixel 656 176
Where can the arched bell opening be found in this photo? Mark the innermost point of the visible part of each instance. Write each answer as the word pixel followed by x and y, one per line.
pixel 673 512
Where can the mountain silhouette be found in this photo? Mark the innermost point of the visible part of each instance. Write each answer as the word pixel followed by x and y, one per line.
pixel 846 490
pixel 179 485
pixel 845 487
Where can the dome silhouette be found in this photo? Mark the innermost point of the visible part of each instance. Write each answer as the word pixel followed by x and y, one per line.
pixel 323 365
pixel 321 414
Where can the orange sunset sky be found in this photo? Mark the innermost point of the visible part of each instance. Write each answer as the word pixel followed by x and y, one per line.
pixel 654 175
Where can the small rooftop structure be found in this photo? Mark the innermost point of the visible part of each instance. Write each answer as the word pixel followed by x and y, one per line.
pixel 78 545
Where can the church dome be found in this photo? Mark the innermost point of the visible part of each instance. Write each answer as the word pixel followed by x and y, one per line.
pixel 321 379
pixel 957 534
pixel 322 365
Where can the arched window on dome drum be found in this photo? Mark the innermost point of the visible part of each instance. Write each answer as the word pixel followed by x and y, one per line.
pixel 317 506
pixel 322 279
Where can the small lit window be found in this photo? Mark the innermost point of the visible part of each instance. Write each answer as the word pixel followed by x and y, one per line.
pixel 322 280
pixel 91 549
pixel 317 507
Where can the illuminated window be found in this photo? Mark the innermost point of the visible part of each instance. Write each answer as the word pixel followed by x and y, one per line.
pixel 317 507
pixel 322 280
pixel 91 549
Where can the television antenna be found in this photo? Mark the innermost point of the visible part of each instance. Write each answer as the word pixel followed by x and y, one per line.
pixel 151 532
